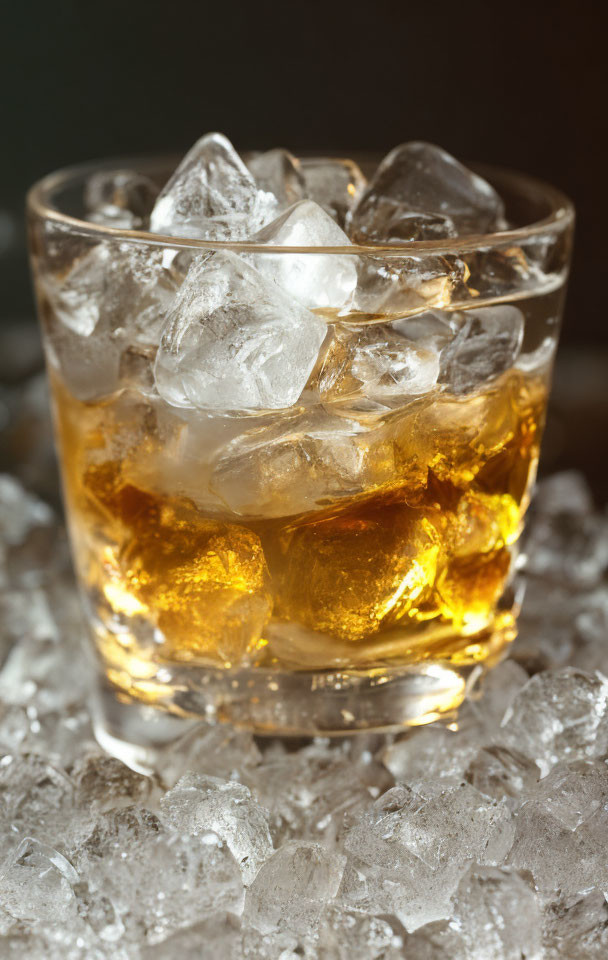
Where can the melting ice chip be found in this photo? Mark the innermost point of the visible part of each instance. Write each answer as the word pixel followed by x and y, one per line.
pixel 316 280
pixel 420 192
pixel 486 345
pixel 235 341
pixel 212 195
pixel 278 172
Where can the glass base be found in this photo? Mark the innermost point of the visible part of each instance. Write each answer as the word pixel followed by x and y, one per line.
pixel 282 704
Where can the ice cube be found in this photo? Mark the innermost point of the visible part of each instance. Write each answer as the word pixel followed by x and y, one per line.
pixel 396 286
pixel 212 196
pixel 451 821
pixel 43 672
pixel 278 172
pixel 497 915
pixel 430 752
pixel 199 803
pixel 318 281
pixel 58 737
pixel 218 936
pixel 334 184
pixel 572 792
pixel 561 860
pixel 288 467
pixel 105 783
pixel 420 192
pixel 577 930
pixel 497 690
pixel 219 751
pixel 76 298
pixel 292 888
pixel 436 941
pixel 156 882
pixel 487 344
pixel 309 792
pixel 354 573
pixel 36 883
pixel 120 198
pixel 502 773
pixel 113 299
pixel 567 547
pixel 433 328
pixel 376 362
pixel 207 591
pixel 347 935
pixel 28 538
pixel 559 715
pixel 37 799
pixel 408 852
pixel 567 492
pixel 234 341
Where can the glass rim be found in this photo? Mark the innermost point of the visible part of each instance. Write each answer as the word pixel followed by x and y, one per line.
pixel 560 217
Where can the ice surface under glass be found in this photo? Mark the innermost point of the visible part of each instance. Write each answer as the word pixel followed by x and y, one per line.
pixel 299 414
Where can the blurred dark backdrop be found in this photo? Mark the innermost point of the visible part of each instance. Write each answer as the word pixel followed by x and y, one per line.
pixel 518 84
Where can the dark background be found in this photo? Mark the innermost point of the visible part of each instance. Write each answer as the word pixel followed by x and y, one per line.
pixel 518 84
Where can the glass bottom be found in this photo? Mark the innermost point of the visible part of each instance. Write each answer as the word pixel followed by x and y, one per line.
pixel 276 703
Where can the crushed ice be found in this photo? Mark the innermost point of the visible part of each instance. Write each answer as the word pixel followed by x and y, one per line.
pixel 485 838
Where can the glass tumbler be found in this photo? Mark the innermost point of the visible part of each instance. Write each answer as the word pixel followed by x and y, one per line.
pixel 295 478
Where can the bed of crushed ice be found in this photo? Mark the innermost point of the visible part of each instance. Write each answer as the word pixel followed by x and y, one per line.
pixel 482 839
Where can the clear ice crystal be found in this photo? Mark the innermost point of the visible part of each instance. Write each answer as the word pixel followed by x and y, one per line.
pixel 489 703
pixel 431 752
pixel 348 935
pixel 577 930
pixel 487 343
pixel 234 341
pixel 112 300
pixel 566 546
pixel 409 851
pixel 199 803
pixel 212 196
pixel 376 362
pixel 36 883
pixel 293 886
pixel 572 792
pixel 309 793
pixel 103 783
pixel 397 286
pixel 559 715
pixel 330 455
pixel 77 297
pixel 503 774
pixel 497 915
pixel 334 184
pixel 120 198
pixel 156 882
pixel 318 281
pixel 27 535
pixel 219 751
pixel 278 172
pixel 217 936
pixel 420 192
pixel 562 861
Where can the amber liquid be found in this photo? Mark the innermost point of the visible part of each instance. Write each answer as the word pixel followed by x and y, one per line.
pixel 409 569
